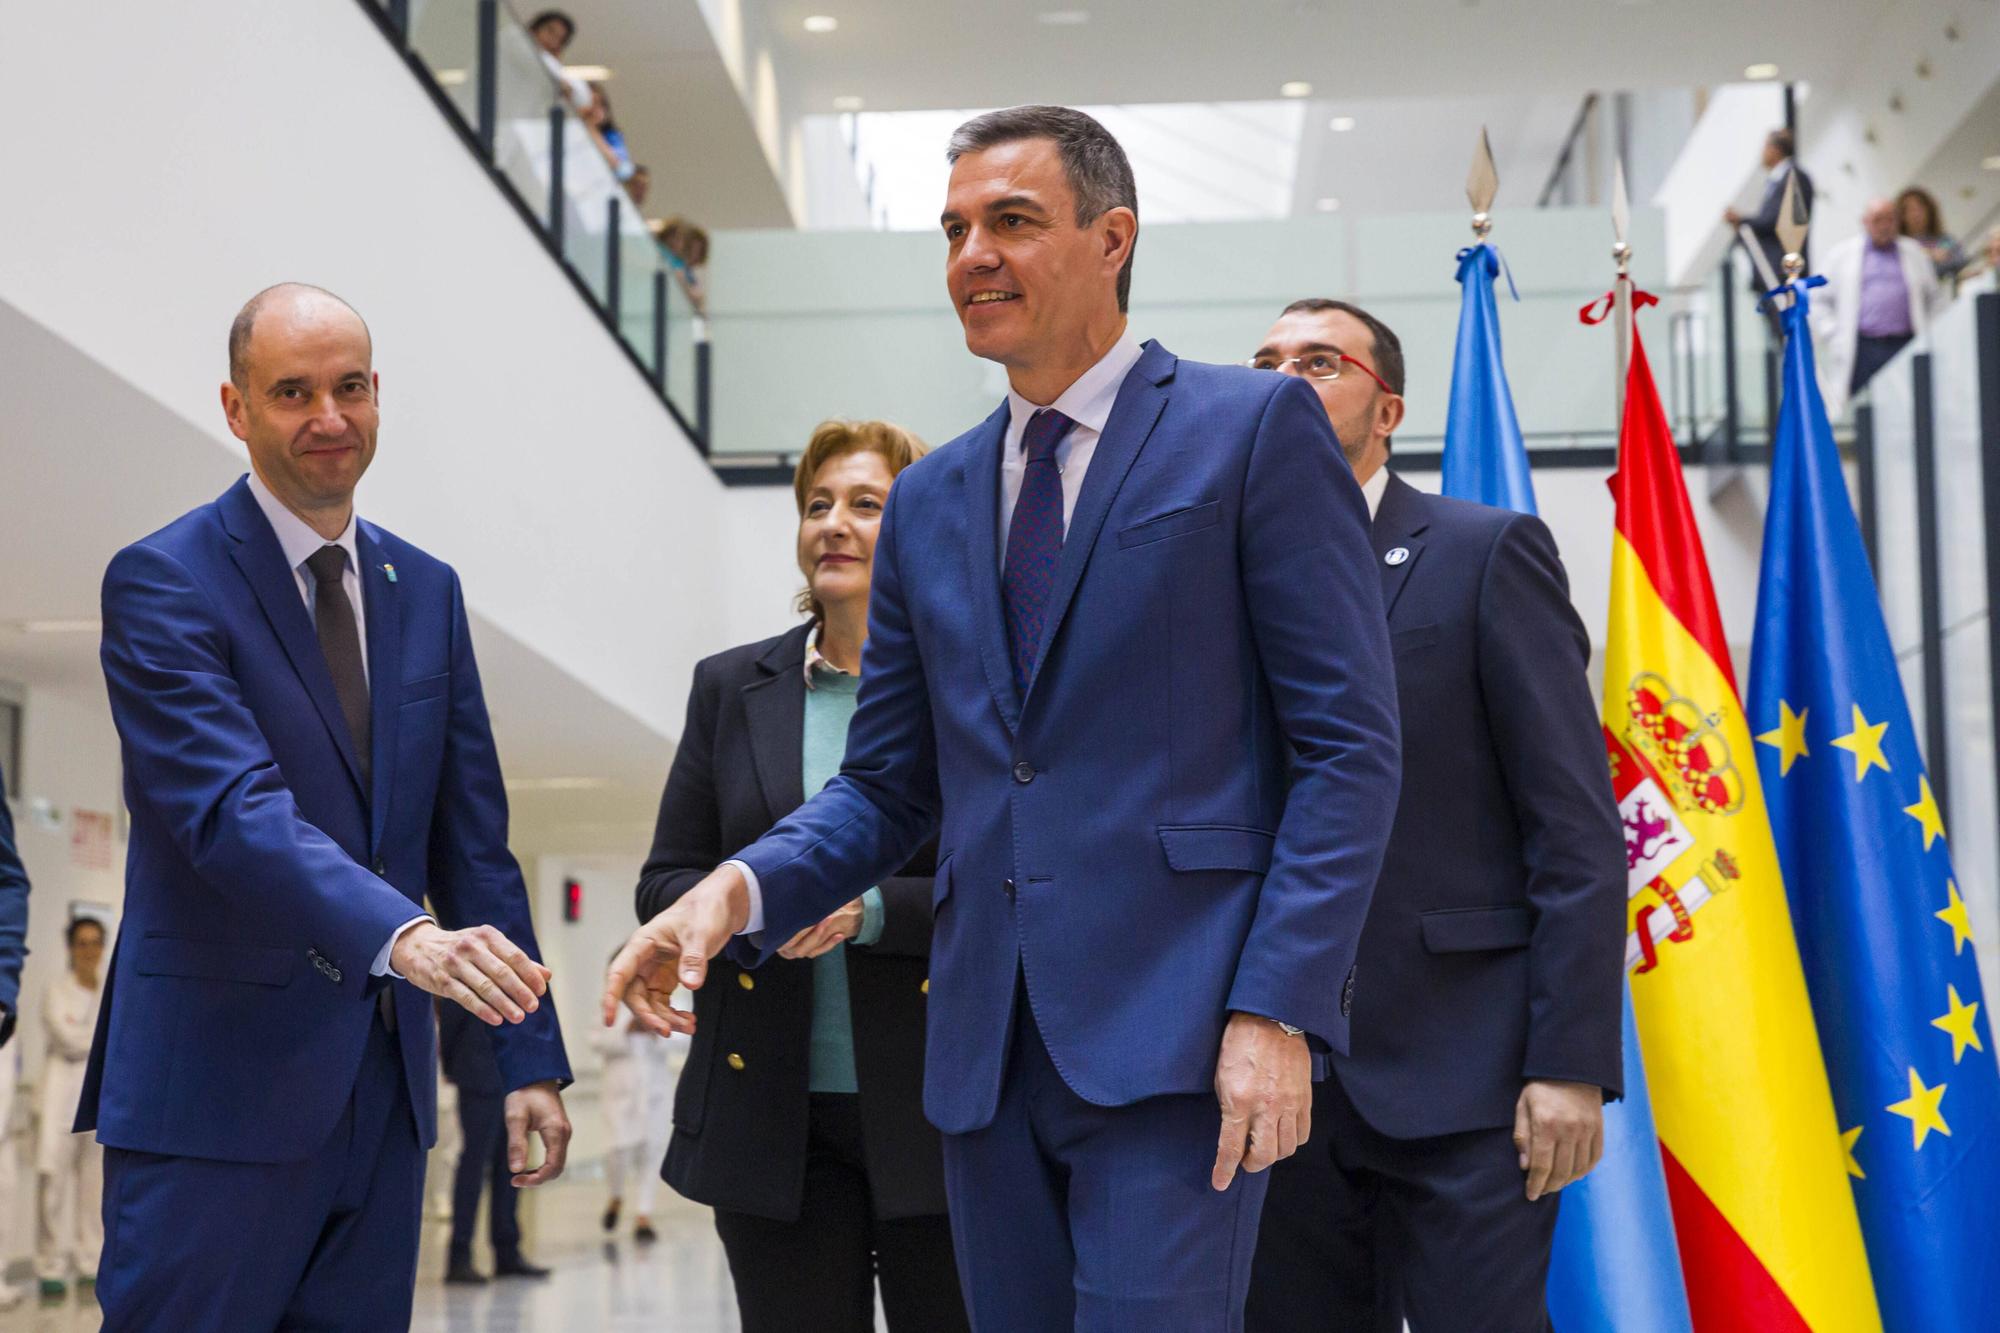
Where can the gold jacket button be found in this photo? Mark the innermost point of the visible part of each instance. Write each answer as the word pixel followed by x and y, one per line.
pixel 746 981
pixel 735 1061
pixel 926 987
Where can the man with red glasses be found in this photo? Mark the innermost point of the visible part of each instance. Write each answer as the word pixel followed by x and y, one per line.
pixel 1486 1014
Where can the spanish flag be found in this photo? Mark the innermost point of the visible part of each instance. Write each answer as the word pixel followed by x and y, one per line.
pixel 1769 1239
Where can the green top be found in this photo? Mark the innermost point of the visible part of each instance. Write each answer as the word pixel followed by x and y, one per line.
pixel 829 708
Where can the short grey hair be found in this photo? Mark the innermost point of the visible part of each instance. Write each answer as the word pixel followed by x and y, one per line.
pixel 245 323
pixel 1099 173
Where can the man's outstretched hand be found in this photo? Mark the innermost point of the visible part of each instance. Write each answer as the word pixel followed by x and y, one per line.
pixel 479 969
pixel 536 1110
pixel 674 949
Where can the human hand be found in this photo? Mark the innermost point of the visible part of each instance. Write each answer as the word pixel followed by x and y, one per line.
pixel 843 925
pixel 1263 1080
pixel 536 1109
pixel 1559 1129
pixel 1732 217
pixel 684 937
pixel 479 969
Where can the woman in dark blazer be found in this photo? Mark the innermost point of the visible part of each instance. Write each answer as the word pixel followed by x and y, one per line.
pixel 799 1116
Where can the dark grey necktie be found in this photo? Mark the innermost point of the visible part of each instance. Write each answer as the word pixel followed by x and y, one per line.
pixel 340 640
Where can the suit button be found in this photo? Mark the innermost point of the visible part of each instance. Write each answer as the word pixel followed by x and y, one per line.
pixel 926 987
pixel 736 1062
pixel 380 867
pixel 746 981
pixel 1024 772
pixel 1009 886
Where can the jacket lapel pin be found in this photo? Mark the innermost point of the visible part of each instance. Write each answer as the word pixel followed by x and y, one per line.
pixel 1395 557
pixel 390 570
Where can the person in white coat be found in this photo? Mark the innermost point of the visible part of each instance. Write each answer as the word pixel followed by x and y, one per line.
pixel 1881 292
pixel 637 1084
pixel 69 1167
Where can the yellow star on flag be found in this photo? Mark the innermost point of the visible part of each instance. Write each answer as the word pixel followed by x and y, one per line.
pixel 1847 1142
pixel 1921 1109
pixel 1954 915
pixel 1789 739
pixel 1959 1023
pixel 1925 811
pixel 1865 744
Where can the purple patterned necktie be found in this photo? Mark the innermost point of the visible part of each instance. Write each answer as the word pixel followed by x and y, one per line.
pixel 1034 542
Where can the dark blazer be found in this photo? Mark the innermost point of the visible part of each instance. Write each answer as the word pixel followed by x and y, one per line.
pixel 1494 950
pixel 13 919
pixel 465 1052
pixel 263 876
pixel 740 1115
pixel 1184 812
pixel 1764 224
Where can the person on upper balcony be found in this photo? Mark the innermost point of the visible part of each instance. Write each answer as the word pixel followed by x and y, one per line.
pixel 553 31
pixel 1778 164
pixel 1919 218
pixel 1881 291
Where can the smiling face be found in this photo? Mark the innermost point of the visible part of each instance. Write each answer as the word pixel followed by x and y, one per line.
pixel 1030 284
pixel 843 513
pixel 305 402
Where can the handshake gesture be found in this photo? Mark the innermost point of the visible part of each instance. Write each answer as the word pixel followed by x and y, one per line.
pixel 673 950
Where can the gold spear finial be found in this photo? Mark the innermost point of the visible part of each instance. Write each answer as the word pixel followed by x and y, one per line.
pixel 1481 185
pixel 1793 223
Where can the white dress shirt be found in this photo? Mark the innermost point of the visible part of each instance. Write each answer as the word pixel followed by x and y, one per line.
pixel 300 543
pixel 1371 490
pixel 1087 402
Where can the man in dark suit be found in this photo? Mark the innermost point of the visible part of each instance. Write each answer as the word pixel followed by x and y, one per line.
pixel 1126 641
pixel 1779 164
pixel 307 757
pixel 465 1052
pixel 1486 1024
pixel 13 920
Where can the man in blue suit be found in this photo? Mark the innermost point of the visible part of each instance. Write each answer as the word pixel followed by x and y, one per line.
pixel 1126 655
pixel 1486 1033
pixel 307 757
pixel 13 920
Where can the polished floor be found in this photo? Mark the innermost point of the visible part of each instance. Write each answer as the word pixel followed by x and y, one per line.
pixel 677 1284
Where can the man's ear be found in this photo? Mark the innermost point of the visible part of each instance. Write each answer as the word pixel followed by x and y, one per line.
pixel 232 410
pixel 1121 231
pixel 1389 416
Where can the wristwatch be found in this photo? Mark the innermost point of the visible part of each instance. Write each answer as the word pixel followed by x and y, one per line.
pixel 1289 1030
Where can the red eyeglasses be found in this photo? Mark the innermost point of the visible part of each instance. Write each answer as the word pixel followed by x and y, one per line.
pixel 1317 366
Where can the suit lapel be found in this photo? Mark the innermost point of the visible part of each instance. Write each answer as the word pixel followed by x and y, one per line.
pixel 984 548
pixel 382 608
pixel 1400 517
pixel 1140 401
pixel 775 708
pixel 262 561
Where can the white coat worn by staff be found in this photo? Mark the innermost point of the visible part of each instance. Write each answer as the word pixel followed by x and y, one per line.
pixel 69 1167
pixel 636 1090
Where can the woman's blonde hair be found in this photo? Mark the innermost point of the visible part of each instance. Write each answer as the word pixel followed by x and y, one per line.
pixel 835 439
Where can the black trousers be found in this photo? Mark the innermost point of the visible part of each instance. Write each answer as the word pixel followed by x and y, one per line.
pixel 820 1272
pixel 482 1118
pixel 1362 1231
pixel 1871 353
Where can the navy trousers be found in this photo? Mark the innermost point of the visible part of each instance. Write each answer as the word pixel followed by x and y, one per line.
pixel 1362 1231
pixel 1066 1214
pixel 327 1243
pixel 482 1120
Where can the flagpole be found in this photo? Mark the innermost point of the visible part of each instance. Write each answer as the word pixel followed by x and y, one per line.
pixel 1621 289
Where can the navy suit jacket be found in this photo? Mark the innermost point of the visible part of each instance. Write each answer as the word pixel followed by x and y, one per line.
pixel 1494 950
pixel 261 880
pixel 13 919
pixel 1185 813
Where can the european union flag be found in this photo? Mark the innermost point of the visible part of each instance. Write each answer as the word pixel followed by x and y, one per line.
pixel 1881 927
pixel 1484 457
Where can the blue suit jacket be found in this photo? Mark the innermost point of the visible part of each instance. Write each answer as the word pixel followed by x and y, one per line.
pixel 1185 814
pixel 261 880
pixel 13 919
pixel 1495 945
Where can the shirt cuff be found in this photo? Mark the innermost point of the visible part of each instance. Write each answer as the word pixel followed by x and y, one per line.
pixel 872 917
pixel 380 967
pixel 756 922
